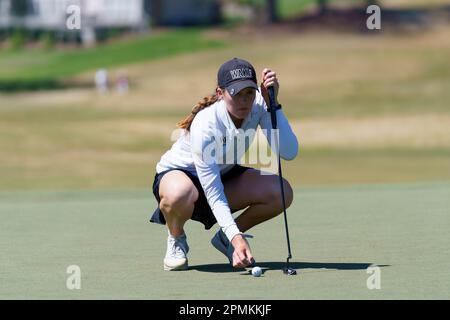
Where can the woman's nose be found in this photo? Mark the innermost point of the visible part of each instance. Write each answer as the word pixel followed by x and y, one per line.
pixel 245 99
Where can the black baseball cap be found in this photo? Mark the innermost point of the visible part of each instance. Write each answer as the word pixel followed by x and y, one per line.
pixel 235 75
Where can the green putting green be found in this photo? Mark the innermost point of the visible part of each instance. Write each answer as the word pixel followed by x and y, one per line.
pixel 336 234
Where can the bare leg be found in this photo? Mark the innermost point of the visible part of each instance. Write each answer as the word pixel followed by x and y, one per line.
pixel 178 195
pixel 260 193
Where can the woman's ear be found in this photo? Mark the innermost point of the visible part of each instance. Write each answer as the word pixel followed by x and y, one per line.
pixel 219 93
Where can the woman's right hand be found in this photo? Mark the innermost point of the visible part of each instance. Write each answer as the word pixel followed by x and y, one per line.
pixel 242 256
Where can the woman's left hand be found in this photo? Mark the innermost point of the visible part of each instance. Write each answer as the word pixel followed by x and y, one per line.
pixel 269 78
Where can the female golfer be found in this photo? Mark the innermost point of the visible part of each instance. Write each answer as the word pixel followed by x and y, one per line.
pixel 199 178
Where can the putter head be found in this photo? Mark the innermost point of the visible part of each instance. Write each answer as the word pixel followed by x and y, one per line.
pixel 289 271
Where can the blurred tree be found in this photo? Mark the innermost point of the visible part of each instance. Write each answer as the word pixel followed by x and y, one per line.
pixel 272 12
pixel 19 8
pixel 47 39
pixel 323 4
pixel 18 39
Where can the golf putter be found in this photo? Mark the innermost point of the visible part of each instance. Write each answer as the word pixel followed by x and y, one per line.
pixel 272 107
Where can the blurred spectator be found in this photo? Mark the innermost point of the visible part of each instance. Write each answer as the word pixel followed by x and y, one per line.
pixel 122 83
pixel 101 81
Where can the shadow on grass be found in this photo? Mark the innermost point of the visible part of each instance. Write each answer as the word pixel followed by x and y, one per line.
pixel 268 266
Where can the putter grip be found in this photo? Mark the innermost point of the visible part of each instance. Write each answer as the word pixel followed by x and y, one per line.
pixel 272 106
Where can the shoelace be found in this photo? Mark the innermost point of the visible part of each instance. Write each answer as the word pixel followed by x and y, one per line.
pixel 177 249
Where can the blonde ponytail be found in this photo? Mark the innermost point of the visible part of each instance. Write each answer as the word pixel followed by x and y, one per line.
pixel 202 104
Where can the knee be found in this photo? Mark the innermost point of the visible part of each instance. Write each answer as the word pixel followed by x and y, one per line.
pixel 178 202
pixel 275 193
pixel 288 193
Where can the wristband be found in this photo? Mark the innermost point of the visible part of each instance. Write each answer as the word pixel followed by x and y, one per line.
pixel 278 107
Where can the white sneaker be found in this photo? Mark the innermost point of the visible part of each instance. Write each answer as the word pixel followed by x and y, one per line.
pixel 221 243
pixel 176 255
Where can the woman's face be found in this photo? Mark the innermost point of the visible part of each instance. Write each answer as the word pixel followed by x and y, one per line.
pixel 241 104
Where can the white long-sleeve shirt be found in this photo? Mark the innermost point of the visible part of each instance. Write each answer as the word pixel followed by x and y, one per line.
pixel 214 145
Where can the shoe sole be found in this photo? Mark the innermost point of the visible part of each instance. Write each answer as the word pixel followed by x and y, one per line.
pixel 177 268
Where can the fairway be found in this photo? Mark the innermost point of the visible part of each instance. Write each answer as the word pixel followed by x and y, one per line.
pixel 336 233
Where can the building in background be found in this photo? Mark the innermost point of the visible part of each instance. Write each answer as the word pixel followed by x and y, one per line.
pixel 185 12
pixel 51 15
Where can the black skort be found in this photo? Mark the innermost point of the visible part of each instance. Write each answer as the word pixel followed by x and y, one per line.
pixel 202 211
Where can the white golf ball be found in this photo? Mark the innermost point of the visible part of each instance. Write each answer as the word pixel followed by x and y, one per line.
pixel 256 271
